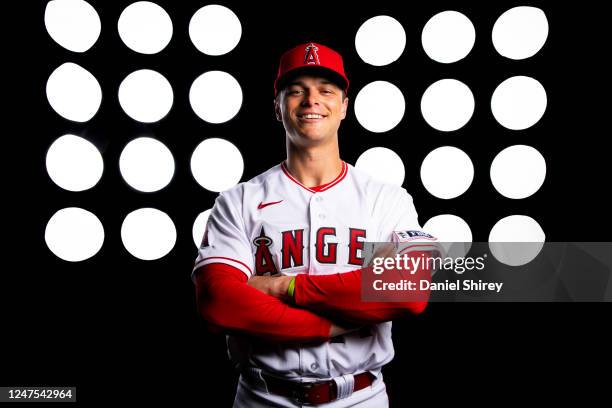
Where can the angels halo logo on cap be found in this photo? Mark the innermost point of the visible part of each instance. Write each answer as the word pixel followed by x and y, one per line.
pixel 311 56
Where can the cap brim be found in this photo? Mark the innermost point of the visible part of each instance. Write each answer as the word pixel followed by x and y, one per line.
pixel 314 70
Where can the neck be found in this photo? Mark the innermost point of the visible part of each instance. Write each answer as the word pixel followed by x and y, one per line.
pixel 314 165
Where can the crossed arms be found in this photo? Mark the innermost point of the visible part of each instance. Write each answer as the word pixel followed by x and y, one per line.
pixel 323 306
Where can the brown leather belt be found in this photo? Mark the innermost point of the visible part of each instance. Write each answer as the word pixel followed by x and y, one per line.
pixel 313 393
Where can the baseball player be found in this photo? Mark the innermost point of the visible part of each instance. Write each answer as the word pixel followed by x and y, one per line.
pixel 279 268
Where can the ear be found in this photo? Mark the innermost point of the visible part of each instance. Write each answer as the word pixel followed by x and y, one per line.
pixel 277 110
pixel 344 107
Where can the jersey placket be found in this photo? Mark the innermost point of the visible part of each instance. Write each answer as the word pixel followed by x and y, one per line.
pixel 317 215
pixel 310 357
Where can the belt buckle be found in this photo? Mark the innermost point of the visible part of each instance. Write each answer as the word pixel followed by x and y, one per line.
pixel 300 394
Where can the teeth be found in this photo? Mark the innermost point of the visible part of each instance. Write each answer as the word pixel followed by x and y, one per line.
pixel 312 116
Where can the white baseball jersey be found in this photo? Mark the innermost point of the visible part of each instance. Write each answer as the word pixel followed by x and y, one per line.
pixel 274 224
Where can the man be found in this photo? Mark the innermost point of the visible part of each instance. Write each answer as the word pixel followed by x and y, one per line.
pixel 279 265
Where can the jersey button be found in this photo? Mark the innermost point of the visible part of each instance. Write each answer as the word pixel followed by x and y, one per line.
pixel 322 216
pixel 319 198
pixel 314 366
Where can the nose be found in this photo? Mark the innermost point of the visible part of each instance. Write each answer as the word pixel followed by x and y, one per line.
pixel 310 99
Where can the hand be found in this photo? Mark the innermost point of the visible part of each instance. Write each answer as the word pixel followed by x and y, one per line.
pixel 271 285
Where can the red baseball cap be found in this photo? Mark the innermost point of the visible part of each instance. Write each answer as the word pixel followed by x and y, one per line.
pixel 311 58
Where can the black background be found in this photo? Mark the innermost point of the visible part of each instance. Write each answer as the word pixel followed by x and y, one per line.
pixel 117 327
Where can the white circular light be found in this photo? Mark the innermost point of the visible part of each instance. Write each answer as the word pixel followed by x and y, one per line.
pixel 215 30
pixel 217 164
pixel 516 240
pixel 380 40
pixel 518 171
pixel 215 96
pixel 146 96
pixel 519 102
pixel 448 37
pixel 382 164
pixel 148 233
pixel 517 228
pixel 448 228
pixel 447 105
pixel 199 226
pixel 453 233
pixel 145 27
pixel 73 24
pixel 74 93
pixel 74 163
pixel 74 234
pixel 520 32
pixel 447 172
pixel 146 164
pixel 379 106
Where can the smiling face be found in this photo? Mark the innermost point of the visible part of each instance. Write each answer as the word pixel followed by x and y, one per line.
pixel 311 109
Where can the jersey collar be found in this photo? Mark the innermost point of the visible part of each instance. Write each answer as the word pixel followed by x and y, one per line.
pixel 323 187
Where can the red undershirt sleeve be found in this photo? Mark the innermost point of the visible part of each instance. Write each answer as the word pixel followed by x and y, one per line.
pixel 227 303
pixel 338 296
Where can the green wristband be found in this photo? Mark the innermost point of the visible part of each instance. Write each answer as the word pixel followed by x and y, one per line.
pixel 291 288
